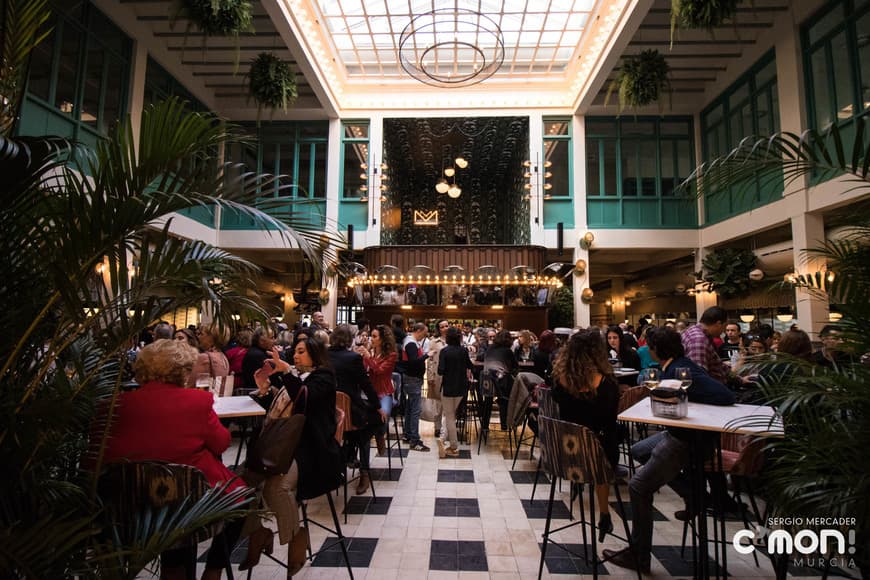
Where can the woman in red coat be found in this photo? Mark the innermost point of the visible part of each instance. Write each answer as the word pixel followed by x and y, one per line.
pixel 380 362
pixel 163 421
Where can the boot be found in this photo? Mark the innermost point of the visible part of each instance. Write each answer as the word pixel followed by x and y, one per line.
pixel 382 444
pixel 364 483
pixel 261 540
pixel 212 574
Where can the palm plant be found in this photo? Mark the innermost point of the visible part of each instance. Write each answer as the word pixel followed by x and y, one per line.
pixel 819 467
pixel 88 262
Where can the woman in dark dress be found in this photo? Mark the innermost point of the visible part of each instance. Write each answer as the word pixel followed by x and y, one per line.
pixel 587 394
pixel 618 348
pixel 500 364
pixel 317 466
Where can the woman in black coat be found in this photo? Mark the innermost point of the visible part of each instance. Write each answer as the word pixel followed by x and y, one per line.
pixel 366 413
pixel 454 365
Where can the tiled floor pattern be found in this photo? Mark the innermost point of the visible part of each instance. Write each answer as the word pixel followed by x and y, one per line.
pixel 471 518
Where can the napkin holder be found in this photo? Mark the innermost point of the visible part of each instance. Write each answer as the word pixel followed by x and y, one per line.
pixel 669 401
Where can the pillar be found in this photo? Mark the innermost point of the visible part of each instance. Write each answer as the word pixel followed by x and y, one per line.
pixel 808 233
pixel 704 299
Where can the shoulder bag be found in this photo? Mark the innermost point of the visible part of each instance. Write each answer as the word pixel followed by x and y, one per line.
pixel 273 451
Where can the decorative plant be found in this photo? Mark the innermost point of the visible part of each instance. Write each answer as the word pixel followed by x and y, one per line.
pixel 271 81
pixel 817 467
pixel 695 14
pixel 640 80
pixel 20 22
pixel 76 301
pixel 726 271
pixel 561 311
pixel 218 17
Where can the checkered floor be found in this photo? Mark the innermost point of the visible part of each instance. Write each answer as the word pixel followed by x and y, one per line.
pixel 472 517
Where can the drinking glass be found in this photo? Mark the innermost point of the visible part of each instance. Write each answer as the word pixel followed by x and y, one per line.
pixel 653 376
pixel 684 375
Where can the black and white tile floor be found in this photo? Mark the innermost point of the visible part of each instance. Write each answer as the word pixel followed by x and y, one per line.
pixel 472 518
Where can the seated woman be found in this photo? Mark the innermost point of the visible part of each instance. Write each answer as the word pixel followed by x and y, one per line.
pixel 625 356
pixel 316 469
pixel 163 421
pixel 351 379
pixel 587 394
pixel 211 360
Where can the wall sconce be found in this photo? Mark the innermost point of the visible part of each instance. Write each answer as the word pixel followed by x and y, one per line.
pixel 784 314
pixel 756 274
pixel 537 187
pixel 791 278
pixel 586 295
pixel 376 182
pixel 586 240
pixel 580 267
pixel 747 316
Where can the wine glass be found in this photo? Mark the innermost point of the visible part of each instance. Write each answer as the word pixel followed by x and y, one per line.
pixel 203 382
pixel 653 376
pixel 684 375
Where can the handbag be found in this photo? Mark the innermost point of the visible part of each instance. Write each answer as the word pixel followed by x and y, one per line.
pixel 273 451
pixel 430 410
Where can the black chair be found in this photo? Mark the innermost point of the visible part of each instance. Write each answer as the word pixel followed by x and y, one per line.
pixel 524 386
pixel 340 539
pixel 396 414
pixel 342 402
pixel 572 452
pixel 547 407
pixel 130 491
pixel 627 399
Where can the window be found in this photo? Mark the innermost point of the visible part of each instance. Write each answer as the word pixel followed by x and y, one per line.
pixel 557 150
pixel 355 163
pixel 837 66
pixel 748 108
pixel 77 85
pixel 160 85
pixel 633 168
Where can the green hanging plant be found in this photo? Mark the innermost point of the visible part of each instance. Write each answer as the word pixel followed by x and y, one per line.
pixel 271 82
pixel 640 80
pixel 698 14
pixel 218 17
pixel 726 271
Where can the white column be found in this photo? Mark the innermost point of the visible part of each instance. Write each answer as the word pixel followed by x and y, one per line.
pixel 333 194
pixel 376 157
pixel 703 299
pixel 808 232
pixel 136 100
pixel 582 314
pixel 536 202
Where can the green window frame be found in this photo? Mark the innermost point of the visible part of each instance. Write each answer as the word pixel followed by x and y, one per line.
pixel 161 85
pixel 79 77
pixel 837 67
pixel 355 161
pixel 748 107
pixel 558 148
pixel 633 167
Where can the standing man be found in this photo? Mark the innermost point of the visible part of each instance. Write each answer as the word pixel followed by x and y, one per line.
pixel 698 342
pixel 318 322
pixel 433 379
pixel 412 365
pixel 732 342
pixel 468 338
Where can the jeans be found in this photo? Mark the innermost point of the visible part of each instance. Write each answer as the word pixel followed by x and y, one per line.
pixel 664 457
pixel 414 391
pixel 387 407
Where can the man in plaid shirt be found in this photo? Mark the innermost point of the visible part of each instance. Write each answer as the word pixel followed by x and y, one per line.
pixel 698 342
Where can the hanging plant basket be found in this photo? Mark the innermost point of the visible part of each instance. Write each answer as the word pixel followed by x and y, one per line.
pixel 701 14
pixel 218 17
pixel 640 80
pixel 726 271
pixel 271 82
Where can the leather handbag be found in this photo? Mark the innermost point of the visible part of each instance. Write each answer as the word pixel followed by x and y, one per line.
pixel 273 451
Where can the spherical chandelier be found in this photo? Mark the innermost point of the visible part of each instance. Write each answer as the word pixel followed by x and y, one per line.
pixel 451 47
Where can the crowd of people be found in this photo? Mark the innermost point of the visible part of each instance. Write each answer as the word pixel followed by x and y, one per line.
pixel 387 370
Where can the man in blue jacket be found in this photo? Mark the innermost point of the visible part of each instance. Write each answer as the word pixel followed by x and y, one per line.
pixel 665 455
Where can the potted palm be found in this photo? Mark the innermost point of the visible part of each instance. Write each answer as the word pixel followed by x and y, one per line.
pixel 89 261
pixel 817 468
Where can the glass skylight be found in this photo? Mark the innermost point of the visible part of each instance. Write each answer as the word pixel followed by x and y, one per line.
pixel 540 36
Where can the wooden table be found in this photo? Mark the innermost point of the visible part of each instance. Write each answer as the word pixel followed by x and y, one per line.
pixel 717 419
pixel 242 406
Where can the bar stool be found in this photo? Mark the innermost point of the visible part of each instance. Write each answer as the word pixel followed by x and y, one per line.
pixel 342 402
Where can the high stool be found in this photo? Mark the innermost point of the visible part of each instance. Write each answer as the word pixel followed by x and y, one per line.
pixel 572 452
pixel 342 402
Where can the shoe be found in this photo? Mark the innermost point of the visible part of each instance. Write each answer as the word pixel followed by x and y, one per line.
pixel 261 540
pixel 382 445
pixel 605 526
pixel 437 432
pixel 405 439
pixel 442 452
pixel 624 559
pixel 686 515
pixel 451 452
pixel 419 446
pixel 364 483
pixel 620 472
pixel 296 552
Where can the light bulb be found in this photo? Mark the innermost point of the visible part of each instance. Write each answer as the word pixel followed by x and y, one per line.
pixel 442 186
pixel 363 176
pixel 449 172
pixel 454 191
pixel 461 163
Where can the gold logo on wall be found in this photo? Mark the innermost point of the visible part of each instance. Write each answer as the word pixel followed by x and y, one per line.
pixel 425 218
